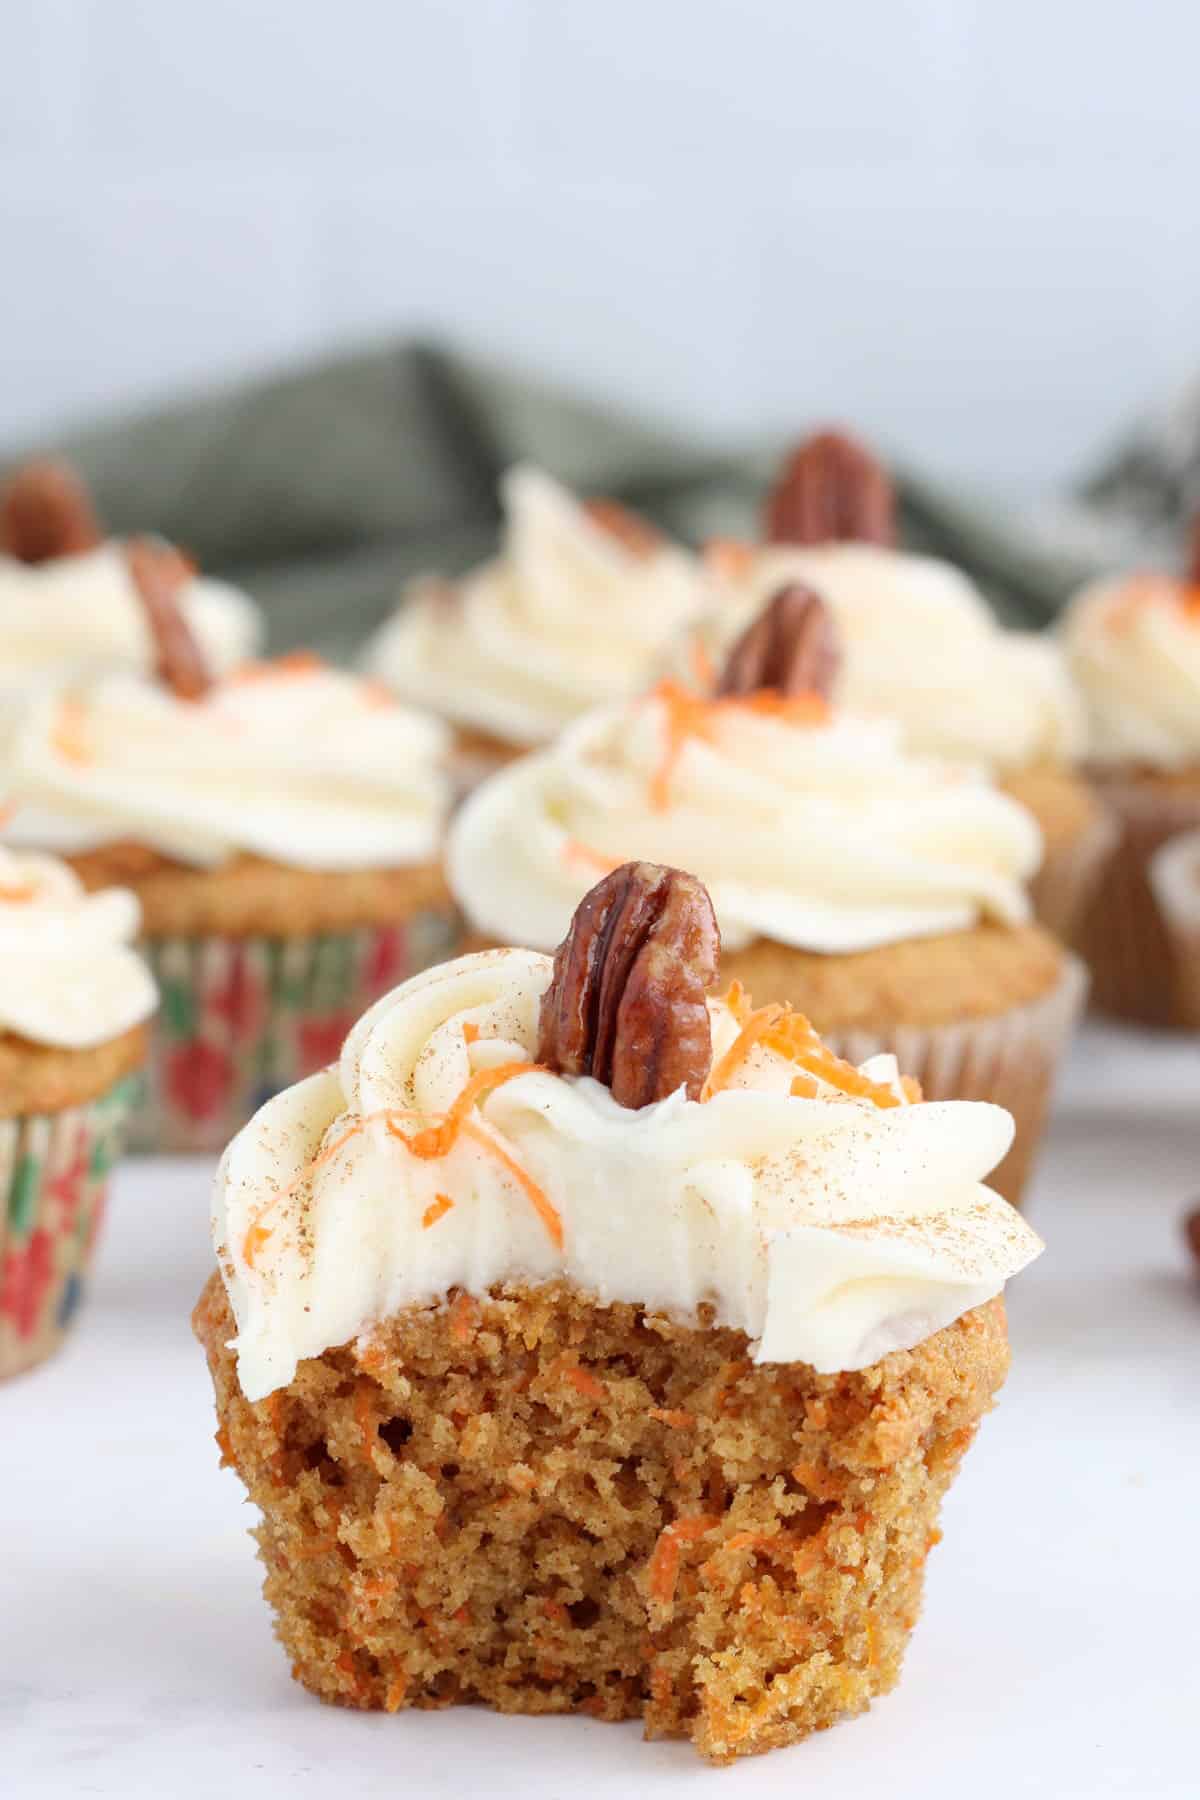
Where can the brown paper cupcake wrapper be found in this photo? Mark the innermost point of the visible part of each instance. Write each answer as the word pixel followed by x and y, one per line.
pixel 1175 884
pixel 1135 974
pixel 54 1171
pixel 1070 875
pixel 1011 1059
pixel 242 1018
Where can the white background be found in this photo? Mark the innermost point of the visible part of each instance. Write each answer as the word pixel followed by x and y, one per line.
pixel 970 225
pixel 1059 1651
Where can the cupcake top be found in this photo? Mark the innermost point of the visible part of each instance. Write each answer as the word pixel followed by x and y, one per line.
pixel 809 827
pixel 469 1135
pixel 289 760
pixel 70 605
pixel 919 642
pixel 574 611
pixel 920 645
pixel 1133 644
pixel 68 978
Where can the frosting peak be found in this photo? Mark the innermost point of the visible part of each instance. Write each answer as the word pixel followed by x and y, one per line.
pixel 1133 645
pixel 570 614
pixel 807 827
pixel 67 975
pixel 289 760
pixel 919 644
pixel 827 1227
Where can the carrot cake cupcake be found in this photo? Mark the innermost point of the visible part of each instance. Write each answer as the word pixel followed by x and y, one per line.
pixel 921 645
pixel 74 1001
pixel 575 610
pixel 69 601
pixel 1133 645
pixel 882 893
pixel 590 1345
pixel 282 829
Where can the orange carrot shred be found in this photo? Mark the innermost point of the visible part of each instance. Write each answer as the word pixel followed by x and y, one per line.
pixel 584 1383
pixel 546 1211
pixel 674 1416
pixel 464 1317
pixel 438 1209
pixel 394 1698
pixel 256 1236
pixel 664 1559
pixel 67 735
pixel 574 851
pixel 470 1032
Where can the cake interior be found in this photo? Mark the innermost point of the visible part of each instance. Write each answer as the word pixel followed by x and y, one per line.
pixel 545 1504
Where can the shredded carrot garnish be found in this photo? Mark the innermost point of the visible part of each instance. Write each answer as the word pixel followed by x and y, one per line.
pixel 664 1559
pixel 256 1236
pixel 470 1032
pixel 791 1036
pixel 574 851
pixel 729 558
pixel 438 1209
pixel 752 1032
pixel 68 736
pixel 689 715
pixel 436 1140
pixel 546 1211
pixel 584 1383
pixel 464 1318
pixel 673 1416
pixel 19 894
pixel 376 693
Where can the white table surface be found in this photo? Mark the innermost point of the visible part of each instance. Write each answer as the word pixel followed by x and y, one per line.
pixel 1058 1654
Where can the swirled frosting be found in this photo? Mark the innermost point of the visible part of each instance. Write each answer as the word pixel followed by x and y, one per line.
pixel 828 1228
pixel 1133 646
pixel 68 978
pixel 919 644
pixel 80 616
pixel 292 761
pixel 823 836
pixel 566 618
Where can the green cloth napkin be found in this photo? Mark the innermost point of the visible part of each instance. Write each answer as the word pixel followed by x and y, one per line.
pixel 323 488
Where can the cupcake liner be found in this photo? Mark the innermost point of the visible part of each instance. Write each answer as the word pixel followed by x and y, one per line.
pixel 1124 935
pixel 1175 884
pixel 53 1178
pixel 242 1018
pixel 1069 876
pixel 1011 1059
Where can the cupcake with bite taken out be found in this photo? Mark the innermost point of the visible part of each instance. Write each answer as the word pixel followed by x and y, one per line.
pixel 74 1004
pixel 281 829
pixel 589 1344
pixel 880 892
pixel 576 610
pixel 1133 645
pixel 69 602
pixel 921 645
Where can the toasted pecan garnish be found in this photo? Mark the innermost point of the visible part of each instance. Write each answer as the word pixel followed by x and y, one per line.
pixel 791 648
pixel 46 511
pixel 160 572
pixel 634 533
pixel 831 490
pixel 627 1000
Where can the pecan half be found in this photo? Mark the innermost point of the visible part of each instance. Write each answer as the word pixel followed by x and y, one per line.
pixel 791 647
pixel 160 573
pixel 46 511
pixel 626 1003
pixel 635 534
pixel 831 490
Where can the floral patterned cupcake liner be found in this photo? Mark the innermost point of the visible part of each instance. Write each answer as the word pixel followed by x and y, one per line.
pixel 54 1171
pixel 242 1018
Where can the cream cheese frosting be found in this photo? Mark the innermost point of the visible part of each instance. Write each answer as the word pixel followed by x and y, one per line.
pixel 828 1228
pixel 292 761
pixel 919 644
pixel 1133 645
pixel 68 977
pixel 78 616
pixel 566 618
pixel 823 835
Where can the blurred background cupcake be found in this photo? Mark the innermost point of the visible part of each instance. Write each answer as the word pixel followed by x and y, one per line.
pixel 920 644
pixel 1133 644
pixel 74 1001
pixel 282 831
pixel 574 611
pixel 881 893
pixel 69 603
